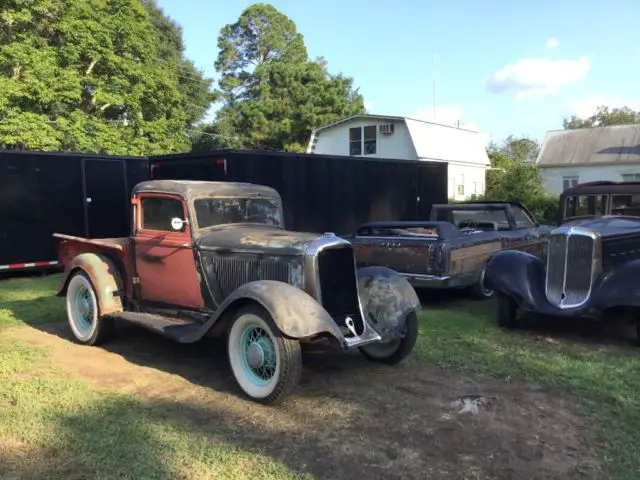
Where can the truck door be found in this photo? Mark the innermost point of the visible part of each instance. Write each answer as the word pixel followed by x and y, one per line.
pixel 164 257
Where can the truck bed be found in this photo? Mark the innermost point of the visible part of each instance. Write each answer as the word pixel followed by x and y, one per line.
pixel 69 247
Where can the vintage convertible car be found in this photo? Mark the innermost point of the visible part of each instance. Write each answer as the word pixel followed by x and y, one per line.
pixel 594 199
pixel 592 269
pixel 213 258
pixel 452 249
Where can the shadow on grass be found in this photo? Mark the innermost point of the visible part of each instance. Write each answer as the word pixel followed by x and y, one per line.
pixel 348 419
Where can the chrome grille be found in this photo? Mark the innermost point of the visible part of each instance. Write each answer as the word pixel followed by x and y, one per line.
pixel 231 272
pixel 569 268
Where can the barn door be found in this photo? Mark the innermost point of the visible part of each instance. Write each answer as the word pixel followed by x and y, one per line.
pixel 107 209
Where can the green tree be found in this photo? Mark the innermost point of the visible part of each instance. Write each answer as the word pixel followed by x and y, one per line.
pixel 273 95
pixel 105 76
pixel 603 117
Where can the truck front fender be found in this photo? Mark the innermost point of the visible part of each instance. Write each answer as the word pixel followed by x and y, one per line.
pixel 617 287
pixel 387 299
pixel 105 278
pixel 296 313
pixel 518 275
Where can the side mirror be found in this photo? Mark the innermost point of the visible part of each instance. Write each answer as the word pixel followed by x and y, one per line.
pixel 178 224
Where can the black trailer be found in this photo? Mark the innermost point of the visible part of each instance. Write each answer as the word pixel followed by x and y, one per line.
pixel 76 194
pixel 321 193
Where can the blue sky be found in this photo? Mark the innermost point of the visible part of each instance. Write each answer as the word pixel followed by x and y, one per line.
pixel 503 66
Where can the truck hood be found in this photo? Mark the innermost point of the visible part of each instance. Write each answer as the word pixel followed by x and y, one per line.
pixel 256 238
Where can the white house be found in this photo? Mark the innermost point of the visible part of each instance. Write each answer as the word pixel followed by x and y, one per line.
pixel 406 138
pixel 569 157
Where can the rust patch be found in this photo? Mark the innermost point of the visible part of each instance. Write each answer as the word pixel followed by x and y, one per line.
pixel 472 258
pixel 104 276
pixel 387 299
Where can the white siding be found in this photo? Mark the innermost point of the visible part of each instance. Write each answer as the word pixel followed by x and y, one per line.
pixel 398 145
pixel 470 178
pixel 553 176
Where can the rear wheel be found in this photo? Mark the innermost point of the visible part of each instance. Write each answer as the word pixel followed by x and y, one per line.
pixel 479 290
pixel 507 312
pixel 266 365
pixel 83 312
pixel 394 351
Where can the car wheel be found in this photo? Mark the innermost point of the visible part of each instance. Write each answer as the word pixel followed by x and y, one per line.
pixel 479 290
pixel 507 312
pixel 266 365
pixel 394 351
pixel 83 312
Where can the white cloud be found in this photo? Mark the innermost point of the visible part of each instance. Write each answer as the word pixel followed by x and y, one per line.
pixel 553 43
pixel 368 106
pixel 587 106
pixel 537 77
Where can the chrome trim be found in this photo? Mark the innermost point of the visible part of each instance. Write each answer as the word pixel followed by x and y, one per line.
pixel 441 281
pixel 596 261
pixel 312 285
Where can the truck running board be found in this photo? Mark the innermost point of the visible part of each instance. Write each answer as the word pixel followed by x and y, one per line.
pixel 182 331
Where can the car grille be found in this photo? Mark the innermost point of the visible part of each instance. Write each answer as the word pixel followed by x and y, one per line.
pixel 569 268
pixel 226 273
pixel 338 285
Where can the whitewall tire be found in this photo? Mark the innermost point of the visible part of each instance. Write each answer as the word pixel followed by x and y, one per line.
pixel 265 364
pixel 83 311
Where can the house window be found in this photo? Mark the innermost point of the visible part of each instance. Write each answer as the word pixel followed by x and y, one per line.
pixel 569 181
pixel 355 141
pixel 363 135
pixel 370 140
pixel 461 185
pixel 631 177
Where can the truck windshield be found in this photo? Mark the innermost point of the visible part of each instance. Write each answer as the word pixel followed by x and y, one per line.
pixel 219 211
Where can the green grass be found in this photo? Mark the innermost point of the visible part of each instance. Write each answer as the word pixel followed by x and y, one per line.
pixel 605 378
pixel 53 426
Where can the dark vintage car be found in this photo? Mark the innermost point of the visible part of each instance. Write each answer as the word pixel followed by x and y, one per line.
pixel 593 199
pixel 452 249
pixel 592 269
pixel 213 258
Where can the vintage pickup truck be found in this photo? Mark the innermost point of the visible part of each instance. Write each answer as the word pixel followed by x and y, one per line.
pixel 453 247
pixel 213 258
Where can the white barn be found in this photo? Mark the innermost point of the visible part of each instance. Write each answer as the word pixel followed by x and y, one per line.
pixel 569 157
pixel 406 138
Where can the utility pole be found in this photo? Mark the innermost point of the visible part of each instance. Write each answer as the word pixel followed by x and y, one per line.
pixel 435 79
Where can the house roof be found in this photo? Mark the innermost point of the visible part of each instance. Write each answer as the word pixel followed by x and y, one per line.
pixel 617 144
pixel 432 141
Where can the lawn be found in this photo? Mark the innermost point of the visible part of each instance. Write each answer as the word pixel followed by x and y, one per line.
pixel 145 408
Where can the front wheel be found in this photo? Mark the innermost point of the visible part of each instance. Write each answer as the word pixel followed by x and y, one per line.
pixel 394 351
pixel 83 312
pixel 266 365
pixel 507 312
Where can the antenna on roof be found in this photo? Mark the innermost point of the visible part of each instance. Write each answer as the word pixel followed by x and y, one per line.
pixel 434 86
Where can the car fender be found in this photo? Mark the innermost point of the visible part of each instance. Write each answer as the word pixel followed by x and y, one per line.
pixel 517 274
pixel 387 299
pixel 105 278
pixel 617 287
pixel 296 313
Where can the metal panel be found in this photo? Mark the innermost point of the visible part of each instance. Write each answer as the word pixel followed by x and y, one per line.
pixel 106 200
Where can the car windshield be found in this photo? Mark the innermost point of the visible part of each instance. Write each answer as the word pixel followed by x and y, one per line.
pixel 489 219
pixel 219 211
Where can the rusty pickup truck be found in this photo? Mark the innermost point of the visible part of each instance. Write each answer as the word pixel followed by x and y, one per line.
pixel 214 258
pixel 452 249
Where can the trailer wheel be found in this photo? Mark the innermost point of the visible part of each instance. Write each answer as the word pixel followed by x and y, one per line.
pixel 83 312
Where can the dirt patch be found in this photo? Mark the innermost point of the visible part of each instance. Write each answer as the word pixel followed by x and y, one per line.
pixel 349 418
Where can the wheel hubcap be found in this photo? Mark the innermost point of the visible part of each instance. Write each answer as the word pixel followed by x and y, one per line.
pixel 258 355
pixel 84 310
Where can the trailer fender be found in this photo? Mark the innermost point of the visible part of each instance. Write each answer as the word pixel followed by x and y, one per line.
pixel 296 313
pixel 105 278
